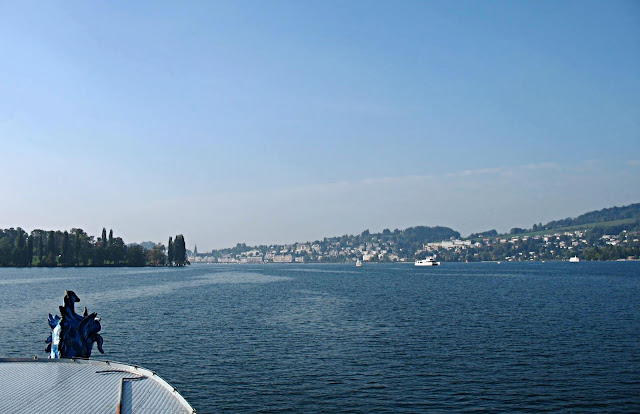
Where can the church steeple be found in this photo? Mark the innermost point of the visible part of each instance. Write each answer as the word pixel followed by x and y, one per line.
pixel 195 250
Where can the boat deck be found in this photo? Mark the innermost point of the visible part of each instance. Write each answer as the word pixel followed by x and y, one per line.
pixel 84 386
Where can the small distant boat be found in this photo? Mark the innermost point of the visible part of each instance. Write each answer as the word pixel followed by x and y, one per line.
pixel 574 259
pixel 358 263
pixel 429 261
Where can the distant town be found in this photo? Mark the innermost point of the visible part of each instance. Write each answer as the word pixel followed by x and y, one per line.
pixel 608 234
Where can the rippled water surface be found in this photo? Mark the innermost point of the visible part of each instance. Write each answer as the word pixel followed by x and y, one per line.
pixel 381 338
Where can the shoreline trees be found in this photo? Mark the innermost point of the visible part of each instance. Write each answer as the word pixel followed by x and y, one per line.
pixel 75 248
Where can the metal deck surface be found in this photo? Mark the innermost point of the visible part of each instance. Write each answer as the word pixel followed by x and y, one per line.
pixel 84 386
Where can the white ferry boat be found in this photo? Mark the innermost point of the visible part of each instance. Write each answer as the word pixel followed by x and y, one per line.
pixel 429 261
pixel 574 259
pixel 358 263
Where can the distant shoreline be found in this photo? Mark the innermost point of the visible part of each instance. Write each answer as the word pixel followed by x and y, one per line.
pixel 407 263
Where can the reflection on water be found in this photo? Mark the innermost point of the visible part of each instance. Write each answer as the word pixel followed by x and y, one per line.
pixel 32 280
pixel 331 269
pixel 167 288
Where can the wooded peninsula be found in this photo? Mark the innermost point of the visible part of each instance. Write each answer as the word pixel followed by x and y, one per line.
pixel 76 248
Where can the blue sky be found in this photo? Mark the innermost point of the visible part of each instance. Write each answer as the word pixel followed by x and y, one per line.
pixel 282 121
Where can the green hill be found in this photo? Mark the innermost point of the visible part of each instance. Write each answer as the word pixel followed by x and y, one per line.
pixel 603 227
pixel 606 221
pixel 606 216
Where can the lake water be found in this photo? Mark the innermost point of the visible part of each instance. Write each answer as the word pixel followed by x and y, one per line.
pixel 335 338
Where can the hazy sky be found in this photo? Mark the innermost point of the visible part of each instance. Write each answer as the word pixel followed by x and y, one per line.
pixel 283 121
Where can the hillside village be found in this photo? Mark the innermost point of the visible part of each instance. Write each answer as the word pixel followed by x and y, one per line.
pixel 612 235
pixel 552 246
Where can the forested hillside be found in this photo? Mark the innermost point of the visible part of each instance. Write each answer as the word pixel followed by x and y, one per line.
pixel 605 215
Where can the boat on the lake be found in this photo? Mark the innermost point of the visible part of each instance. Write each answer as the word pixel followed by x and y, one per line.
pixel 358 263
pixel 574 259
pixel 429 261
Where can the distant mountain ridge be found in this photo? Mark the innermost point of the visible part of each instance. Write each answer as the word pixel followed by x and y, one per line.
pixel 607 220
pixel 631 211
pixel 624 217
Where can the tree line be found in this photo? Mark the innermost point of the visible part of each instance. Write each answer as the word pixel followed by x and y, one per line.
pixel 76 248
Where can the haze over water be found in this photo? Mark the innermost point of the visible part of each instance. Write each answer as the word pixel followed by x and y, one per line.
pixel 383 338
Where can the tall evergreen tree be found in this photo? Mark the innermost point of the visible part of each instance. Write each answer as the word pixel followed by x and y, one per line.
pixel 52 251
pixel 76 249
pixel 20 238
pixel 29 250
pixel 104 238
pixel 51 243
pixel 65 249
pixel 170 252
pixel 40 246
pixel 110 237
pixel 179 250
pixel 18 250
